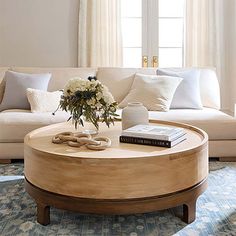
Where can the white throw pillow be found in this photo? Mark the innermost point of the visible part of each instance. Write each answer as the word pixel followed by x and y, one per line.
pixel 155 92
pixel 187 94
pixel 43 101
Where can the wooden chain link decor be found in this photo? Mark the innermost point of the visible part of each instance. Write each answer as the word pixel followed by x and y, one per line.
pixel 79 139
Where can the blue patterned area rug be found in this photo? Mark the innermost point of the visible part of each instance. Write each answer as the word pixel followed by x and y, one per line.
pixel 216 212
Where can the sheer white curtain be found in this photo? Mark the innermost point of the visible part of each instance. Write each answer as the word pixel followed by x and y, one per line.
pixel 205 36
pixel 99 35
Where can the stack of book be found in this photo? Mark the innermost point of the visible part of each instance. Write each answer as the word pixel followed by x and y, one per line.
pixel 154 135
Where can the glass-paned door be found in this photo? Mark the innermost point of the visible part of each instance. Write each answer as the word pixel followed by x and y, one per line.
pixel 131 12
pixel 153 30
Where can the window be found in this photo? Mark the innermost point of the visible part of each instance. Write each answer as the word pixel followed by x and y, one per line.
pixel 131 11
pixel 153 28
pixel 171 31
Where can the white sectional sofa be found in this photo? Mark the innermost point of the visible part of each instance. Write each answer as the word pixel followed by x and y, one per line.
pixel 221 127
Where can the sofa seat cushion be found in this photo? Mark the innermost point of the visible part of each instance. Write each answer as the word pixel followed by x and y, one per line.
pixel 218 125
pixel 15 123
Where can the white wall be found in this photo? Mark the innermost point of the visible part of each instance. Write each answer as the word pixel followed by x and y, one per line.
pixel 38 32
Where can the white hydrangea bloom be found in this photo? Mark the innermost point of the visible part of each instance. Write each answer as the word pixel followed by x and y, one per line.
pixel 108 98
pixel 99 96
pixel 76 84
pixel 91 102
pixel 98 105
pixel 79 84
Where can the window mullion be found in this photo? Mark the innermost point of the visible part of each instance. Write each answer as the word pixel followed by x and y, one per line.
pixel 150 29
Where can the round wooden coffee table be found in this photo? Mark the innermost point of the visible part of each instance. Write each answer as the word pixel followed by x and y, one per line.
pixel 123 179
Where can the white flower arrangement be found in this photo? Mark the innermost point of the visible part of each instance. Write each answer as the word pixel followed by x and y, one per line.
pixel 89 99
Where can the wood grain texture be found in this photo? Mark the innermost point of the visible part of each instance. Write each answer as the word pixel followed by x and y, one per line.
pixel 124 171
pixel 186 197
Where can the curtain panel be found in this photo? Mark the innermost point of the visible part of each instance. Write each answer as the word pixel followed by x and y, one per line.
pixel 205 34
pixel 99 34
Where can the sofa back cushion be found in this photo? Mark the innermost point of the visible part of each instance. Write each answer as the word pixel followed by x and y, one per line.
pixel 120 80
pixel 2 83
pixel 2 72
pixel 60 76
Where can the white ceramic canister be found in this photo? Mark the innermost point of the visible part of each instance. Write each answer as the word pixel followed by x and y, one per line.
pixel 134 114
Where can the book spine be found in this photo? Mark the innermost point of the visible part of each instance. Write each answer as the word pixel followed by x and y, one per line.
pixel 145 141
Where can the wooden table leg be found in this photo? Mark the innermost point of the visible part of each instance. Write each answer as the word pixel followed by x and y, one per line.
pixel 189 211
pixel 43 214
pixel 5 161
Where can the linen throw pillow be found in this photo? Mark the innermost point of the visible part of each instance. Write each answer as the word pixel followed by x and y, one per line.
pixel 15 91
pixel 155 92
pixel 43 101
pixel 187 94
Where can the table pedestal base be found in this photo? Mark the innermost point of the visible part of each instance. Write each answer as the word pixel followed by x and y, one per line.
pixel 45 199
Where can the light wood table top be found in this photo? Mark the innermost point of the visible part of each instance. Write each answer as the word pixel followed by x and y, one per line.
pixel 40 139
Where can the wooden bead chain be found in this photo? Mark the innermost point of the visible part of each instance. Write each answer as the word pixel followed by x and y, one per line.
pixel 79 139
